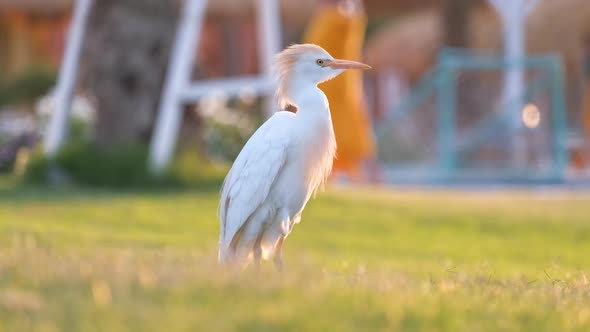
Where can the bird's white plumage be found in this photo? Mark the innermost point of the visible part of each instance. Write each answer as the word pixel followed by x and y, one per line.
pixel 283 163
pixel 248 183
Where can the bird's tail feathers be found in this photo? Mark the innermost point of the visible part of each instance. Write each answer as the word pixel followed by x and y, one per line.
pixel 232 253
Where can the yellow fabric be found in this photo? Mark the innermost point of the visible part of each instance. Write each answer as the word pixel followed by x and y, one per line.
pixel 342 36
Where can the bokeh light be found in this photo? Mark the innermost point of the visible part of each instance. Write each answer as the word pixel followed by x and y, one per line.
pixel 531 117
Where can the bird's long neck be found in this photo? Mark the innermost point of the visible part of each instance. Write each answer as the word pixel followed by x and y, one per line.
pixel 314 139
pixel 309 100
pixel 313 119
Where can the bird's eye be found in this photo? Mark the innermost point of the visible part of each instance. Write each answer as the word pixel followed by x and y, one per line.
pixel 320 62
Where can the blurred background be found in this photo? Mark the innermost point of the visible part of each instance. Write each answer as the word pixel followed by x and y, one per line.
pixel 458 201
pixel 462 91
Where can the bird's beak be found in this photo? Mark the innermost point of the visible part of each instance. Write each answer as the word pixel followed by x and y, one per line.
pixel 347 64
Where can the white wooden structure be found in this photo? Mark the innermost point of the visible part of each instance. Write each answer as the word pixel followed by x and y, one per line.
pixel 64 91
pixel 178 88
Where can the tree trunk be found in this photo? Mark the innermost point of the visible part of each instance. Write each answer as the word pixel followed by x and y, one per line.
pixel 456 22
pixel 126 53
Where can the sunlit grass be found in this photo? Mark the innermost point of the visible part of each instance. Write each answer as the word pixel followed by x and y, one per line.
pixel 367 260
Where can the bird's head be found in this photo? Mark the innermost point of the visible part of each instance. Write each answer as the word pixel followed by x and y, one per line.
pixel 307 64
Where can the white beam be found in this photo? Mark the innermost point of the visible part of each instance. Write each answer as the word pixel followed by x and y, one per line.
pixel 514 14
pixel 269 44
pixel 64 91
pixel 183 56
pixel 230 87
pixel 179 90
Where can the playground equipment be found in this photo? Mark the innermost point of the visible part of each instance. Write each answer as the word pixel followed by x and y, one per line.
pixel 455 126
pixel 513 15
pixel 64 91
pixel 178 88
pixel 460 123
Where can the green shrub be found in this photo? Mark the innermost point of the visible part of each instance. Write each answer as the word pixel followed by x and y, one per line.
pixel 192 169
pixel 224 142
pixel 87 164
pixel 123 167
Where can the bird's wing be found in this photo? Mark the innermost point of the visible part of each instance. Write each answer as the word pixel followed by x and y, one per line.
pixel 248 183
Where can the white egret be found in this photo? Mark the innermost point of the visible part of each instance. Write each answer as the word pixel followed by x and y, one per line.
pixel 286 160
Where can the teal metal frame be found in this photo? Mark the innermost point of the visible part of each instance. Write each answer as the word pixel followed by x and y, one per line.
pixel 447 92
pixel 442 82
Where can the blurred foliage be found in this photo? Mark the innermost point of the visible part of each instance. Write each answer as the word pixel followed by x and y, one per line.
pixel 225 141
pixel 196 171
pixel 26 87
pixel 87 164
pixel 228 128
pixel 123 167
pixel 81 162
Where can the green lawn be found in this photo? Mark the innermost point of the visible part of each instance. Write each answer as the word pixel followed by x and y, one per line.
pixel 84 260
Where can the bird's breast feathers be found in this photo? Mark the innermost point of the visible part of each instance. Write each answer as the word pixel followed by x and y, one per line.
pixel 316 152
